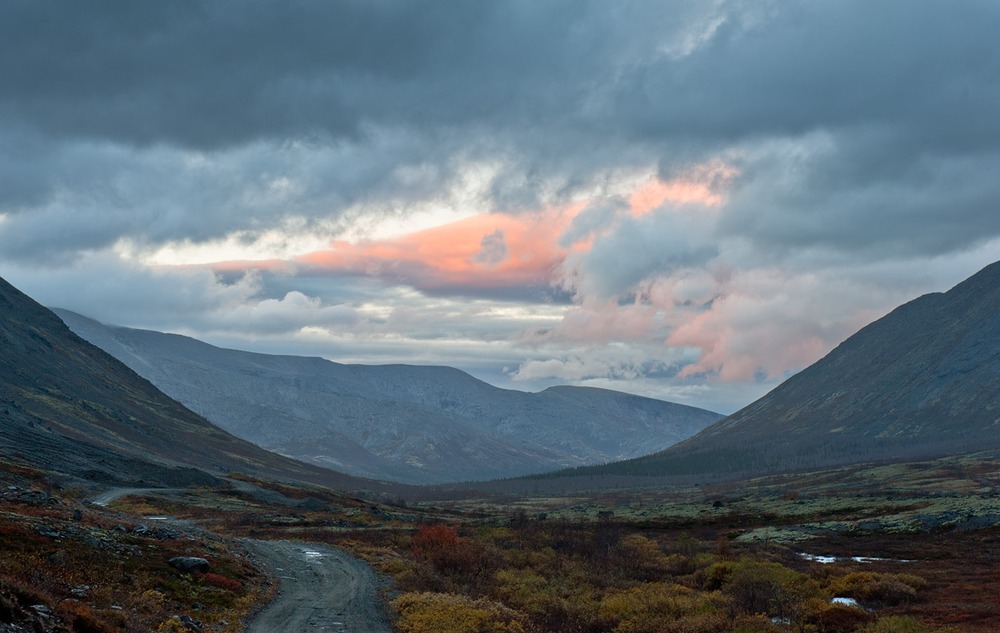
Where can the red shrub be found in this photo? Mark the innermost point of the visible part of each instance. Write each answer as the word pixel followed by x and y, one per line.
pixel 218 580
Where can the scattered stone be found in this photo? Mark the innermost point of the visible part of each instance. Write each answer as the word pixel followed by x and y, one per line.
pixel 189 564
pixel 48 532
pixel 42 610
pixel 189 623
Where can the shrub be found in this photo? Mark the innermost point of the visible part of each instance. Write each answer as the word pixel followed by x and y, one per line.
pixel 451 613
pixel 839 618
pixel 902 624
pixel 446 551
pixel 220 581
pixel 878 589
pixel 659 608
pixel 768 588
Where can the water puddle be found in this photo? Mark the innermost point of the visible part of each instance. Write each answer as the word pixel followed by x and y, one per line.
pixel 826 560
pixel 312 555
pixel 850 602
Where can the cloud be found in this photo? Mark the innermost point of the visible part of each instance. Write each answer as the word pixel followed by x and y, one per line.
pixel 493 248
pixel 723 189
pixel 480 254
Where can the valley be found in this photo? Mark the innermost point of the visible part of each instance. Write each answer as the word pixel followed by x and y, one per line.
pixel 899 534
pixel 499 317
pixel 912 544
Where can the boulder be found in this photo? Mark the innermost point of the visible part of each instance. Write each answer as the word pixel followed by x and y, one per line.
pixel 189 564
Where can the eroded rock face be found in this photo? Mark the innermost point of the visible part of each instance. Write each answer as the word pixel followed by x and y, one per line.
pixel 188 564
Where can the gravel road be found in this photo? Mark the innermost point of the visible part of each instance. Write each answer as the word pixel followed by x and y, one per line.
pixel 320 589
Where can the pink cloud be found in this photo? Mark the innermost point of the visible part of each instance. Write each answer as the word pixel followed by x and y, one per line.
pixel 767 322
pixel 488 250
pixel 699 185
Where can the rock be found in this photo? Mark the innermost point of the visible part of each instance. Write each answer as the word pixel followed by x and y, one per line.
pixel 189 564
pixel 42 610
pixel 312 504
pixel 47 531
pixel 189 623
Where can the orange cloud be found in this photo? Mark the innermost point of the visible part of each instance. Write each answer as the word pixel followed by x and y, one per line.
pixel 488 250
pixel 698 185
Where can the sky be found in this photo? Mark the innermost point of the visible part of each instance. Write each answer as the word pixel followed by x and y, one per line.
pixel 688 200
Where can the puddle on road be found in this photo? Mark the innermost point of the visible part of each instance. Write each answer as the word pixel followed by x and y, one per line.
pixel 312 555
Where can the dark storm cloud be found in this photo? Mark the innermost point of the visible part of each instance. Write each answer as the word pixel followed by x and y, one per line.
pixel 207 74
pixel 860 135
pixel 558 92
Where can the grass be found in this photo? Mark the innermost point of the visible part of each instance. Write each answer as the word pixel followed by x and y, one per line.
pixel 711 558
pixel 98 570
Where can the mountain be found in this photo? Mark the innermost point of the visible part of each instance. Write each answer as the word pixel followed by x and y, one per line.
pixel 923 381
pixel 70 408
pixel 412 424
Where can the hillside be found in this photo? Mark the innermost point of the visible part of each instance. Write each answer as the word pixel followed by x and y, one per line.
pixel 70 408
pixel 413 424
pixel 923 381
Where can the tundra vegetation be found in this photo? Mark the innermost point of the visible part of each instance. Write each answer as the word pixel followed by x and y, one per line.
pixel 906 548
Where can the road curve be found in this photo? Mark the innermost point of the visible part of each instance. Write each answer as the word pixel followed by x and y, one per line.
pixel 320 589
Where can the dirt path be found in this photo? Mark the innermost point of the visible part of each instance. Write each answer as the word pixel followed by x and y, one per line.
pixel 110 495
pixel 321 589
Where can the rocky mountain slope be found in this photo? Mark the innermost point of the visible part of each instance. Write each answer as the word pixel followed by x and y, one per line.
pixel 68 407
pixel 922 381
pixel 412 424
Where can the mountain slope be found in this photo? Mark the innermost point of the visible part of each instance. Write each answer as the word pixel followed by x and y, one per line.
pixel 415 424
pixel 922 381
pixel 69 407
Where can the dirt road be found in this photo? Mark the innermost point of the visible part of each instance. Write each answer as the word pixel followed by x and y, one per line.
pixel 321 589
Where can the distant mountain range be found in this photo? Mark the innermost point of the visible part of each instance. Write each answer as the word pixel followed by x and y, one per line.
pixel 923 381
pixel 69 408
pixel 406 423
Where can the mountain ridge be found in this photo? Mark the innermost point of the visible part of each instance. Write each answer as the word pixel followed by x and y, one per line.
pixel 69 407
pixel 419 424
pixel 922 381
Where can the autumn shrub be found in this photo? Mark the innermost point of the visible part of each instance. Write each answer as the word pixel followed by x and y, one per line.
pixel 640 558
pixel 661 608
pixel 755 587
pixel 448 553
pixel 678 565
pixel 712 576
pixel 838 618
pixel 451 613
pixel 563 602
pixel 878 589
pixel 902 624
pixel 220 581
